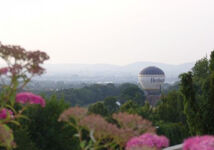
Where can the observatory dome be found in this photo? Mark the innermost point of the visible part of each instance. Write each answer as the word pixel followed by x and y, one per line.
pixel 152 71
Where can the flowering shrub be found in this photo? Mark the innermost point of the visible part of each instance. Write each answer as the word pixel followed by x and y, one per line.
pixel 199 143
pixel 21 66
pixel 102 133
pixel 147 141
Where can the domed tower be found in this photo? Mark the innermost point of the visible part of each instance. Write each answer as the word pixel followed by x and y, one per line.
pixel 151 80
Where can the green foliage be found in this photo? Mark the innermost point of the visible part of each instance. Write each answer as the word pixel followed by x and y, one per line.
pixel 23 139
pixel 129 94
pixel 132 92
pixel 171 108
pixel 130 107
pixel 191 108
pixel 211 61
pixel 169 117
pixel 147 111
pixel 201 69
pixel 86 95
pixel 198 89
pixel 98 108
pixel 98 92
pixel 111 105
pixel 176 132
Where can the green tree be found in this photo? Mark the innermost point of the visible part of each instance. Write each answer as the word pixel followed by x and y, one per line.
pixel 171 108
pixel 133 93
pixel 191 109
pixel 111 105
pixel 147 111
pixel 199 97
pixel 201 69
pixel 98 108
pixel 130 107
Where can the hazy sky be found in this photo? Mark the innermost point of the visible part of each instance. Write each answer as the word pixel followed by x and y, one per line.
pixel 111 31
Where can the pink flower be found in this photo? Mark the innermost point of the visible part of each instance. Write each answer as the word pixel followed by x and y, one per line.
pixel 199 142
pixel 147 140
pixel 5 112
pixel 30 98
pixel 3 70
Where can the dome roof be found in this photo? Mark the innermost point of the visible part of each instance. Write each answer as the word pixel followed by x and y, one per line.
pixel 152 70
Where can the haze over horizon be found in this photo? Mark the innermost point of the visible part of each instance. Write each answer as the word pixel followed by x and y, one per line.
pixel 121 65
pixel 116 32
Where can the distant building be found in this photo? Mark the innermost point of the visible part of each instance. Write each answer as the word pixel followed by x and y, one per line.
pixel 151 80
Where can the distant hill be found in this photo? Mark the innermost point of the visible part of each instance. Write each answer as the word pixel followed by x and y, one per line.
pixel 93 73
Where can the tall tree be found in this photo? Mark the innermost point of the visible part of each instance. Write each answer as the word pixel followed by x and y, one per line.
pixel 198 91
pixel 191 108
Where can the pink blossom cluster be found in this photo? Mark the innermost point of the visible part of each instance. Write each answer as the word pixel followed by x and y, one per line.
pixel 29 98
pixel 147 140
pixel 4 113
pixel 199 143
